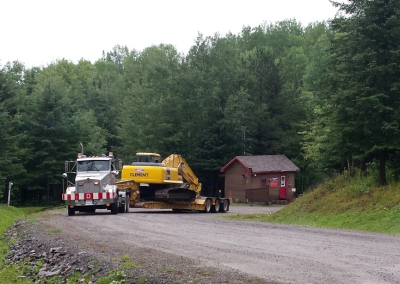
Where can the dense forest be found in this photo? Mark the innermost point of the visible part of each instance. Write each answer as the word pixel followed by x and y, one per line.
pixel 326 95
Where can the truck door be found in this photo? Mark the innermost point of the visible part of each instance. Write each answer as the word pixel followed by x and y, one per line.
pixel 282 191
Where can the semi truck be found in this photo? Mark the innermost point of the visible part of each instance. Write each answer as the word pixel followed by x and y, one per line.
pixel 148 182
pixel 96 185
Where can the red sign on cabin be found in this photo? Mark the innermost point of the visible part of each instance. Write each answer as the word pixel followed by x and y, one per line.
pixel 273 182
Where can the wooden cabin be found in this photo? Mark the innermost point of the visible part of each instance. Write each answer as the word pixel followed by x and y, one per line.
pixel 260 179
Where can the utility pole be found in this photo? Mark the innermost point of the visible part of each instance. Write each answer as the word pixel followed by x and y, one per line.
pixel 10 184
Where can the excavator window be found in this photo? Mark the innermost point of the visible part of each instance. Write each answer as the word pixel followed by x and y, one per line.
pixel 146 159
pixel 155 159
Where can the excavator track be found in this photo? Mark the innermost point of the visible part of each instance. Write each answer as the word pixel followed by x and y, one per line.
pixel 175 194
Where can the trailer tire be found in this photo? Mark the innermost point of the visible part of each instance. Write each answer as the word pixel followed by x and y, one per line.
pixel 208 206
pixel 225 206
pixel 71 211
pixel 114 208
pixel 217 207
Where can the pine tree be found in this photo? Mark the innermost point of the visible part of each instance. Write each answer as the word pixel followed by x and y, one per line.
pixel 364 95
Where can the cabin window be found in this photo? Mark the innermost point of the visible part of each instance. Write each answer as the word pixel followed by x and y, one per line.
pixel 263 183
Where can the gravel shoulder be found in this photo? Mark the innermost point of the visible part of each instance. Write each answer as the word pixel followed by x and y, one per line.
pixel 86 244
pixel 170 247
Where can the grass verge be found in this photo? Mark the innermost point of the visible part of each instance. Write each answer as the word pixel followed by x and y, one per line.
pixel 9 214
pixel 344 202
pixel 13 274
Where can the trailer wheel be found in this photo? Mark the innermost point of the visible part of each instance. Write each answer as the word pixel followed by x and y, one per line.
pixel 114 208
pixel 207 209
pixel 71 211
pixel 217 206
pixel 225 206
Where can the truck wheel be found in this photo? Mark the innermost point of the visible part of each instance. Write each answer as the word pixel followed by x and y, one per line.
pixel 207 209
pixel 114 208
pixel 121 208
pixel 217 206
pixel 225 206
pixel 71 211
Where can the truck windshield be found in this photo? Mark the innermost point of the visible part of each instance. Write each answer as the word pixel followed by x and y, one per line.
pixel 84 166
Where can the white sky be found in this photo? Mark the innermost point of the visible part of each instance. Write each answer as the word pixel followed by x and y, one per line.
pixel 38 32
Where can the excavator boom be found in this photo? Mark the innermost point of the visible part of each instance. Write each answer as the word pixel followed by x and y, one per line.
pixel 177 161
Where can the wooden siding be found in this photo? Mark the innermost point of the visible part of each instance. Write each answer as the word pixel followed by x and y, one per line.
pixel 290 184
pixel 257 195
pixel 235 182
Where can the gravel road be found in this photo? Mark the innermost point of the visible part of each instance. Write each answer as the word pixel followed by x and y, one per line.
pixel 258 252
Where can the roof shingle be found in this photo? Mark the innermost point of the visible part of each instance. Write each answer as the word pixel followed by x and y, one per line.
pixel 265 163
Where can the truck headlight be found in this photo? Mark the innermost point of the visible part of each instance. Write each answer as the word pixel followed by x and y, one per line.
pixel 70 190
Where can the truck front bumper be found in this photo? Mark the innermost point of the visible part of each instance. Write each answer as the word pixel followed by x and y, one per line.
pixel 89 199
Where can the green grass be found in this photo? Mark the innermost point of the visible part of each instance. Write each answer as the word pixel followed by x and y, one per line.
pixel 127 262
pixel 344 202
pixel 114 277
pixel 9 214
pixel 10 274
pixel 55 231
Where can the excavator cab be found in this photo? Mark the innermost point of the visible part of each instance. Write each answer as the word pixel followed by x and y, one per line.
pixel 148 159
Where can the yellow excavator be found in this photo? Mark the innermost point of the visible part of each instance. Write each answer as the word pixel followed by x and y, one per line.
pixel 168 184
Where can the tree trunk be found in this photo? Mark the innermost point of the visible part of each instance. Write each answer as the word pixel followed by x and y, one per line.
pixel 382 169
pixel 48 192
pixel 349 168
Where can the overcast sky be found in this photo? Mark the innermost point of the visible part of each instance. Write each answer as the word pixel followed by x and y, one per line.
pixel 38 32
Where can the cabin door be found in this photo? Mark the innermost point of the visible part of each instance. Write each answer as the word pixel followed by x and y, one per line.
pixel 282 191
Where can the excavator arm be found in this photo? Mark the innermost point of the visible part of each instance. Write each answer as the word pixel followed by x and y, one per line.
pixel 177 161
